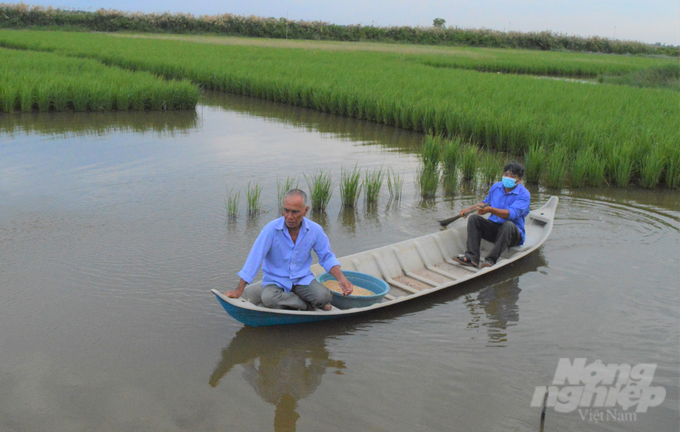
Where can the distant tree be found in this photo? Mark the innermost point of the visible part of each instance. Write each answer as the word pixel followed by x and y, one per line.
pixel 439 23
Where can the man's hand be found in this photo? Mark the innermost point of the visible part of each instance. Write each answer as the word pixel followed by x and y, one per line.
pixel 238 291
pixel 346 286
pixel 484 210
pixel 474 207
pixel 234 294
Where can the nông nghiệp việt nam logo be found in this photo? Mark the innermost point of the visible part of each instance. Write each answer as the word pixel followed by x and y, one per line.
pixel 600 391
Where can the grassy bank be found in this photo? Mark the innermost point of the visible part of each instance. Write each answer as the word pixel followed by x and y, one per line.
pixel 502 112
pixel 23 16
pixel 52 82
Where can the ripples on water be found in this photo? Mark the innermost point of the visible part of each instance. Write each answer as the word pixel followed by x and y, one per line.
pixel 113 229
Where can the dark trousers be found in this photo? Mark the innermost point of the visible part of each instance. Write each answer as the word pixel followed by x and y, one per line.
pixel 502 236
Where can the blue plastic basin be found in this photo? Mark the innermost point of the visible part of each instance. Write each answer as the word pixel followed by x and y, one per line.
pixel 362 280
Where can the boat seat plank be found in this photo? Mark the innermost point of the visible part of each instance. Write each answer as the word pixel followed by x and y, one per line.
pixel 411 284
pixel 434 276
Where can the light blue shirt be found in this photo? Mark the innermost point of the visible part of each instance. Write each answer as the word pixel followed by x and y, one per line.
pixel 285 263
pixel 516 202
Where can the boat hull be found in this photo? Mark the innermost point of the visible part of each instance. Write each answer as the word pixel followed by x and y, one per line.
pixel 412 268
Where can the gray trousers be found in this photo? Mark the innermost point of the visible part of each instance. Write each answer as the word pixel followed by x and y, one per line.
pixel 502 236
pixel 272 296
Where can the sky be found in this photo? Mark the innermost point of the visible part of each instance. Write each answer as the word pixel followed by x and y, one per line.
pixel 648 21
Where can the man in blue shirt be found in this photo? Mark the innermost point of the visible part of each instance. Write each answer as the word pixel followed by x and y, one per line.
pixel 508 203
pixel 284 249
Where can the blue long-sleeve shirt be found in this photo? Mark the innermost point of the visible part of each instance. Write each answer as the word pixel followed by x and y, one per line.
pixel 516 201
pixel 285 263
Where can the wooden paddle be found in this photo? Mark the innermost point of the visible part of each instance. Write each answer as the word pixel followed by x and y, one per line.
pixel 445 222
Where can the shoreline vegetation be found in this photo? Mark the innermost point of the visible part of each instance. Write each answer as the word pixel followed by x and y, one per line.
pixel 20 15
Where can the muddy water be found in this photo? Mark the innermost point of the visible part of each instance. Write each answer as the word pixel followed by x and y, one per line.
pixel 113 228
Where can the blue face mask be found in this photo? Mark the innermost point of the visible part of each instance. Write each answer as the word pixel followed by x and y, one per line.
pixel 509 182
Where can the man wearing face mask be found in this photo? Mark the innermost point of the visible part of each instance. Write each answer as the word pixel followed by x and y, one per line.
pixel 508 204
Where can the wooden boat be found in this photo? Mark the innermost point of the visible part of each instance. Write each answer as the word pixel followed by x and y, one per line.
pixel 413 268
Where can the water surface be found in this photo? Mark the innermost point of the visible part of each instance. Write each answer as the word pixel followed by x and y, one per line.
pixel 113 228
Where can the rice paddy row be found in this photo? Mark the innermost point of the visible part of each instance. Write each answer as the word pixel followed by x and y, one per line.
pixel 509 113
pixel 321 188
pixel 40 81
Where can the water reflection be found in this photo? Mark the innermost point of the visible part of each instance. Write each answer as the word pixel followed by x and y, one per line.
pixel 320 217
pixel 495 306
pixel 348 218
pixel 364 132
pixel 500 304
pixel 169 123
pixel 283 366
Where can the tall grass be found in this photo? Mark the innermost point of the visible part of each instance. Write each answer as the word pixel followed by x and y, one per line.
pixel 498 111
pixel 40 81
pixel 580 167
pixel 469 160
pixel 231 203
pixel 350 186
pixel 253 195
pixel 622 164
pixel 283 187
pixel 450 182
pixel 451 155
pixel 662 76
pixel 395 184
pixel 597 171
pixel 428 181
pixel 373 181
pixel 491 168
pixel 556 166
pixel 673 167
pixel 321 188
pixel 431 152
pixel 534 160
pixel 652 167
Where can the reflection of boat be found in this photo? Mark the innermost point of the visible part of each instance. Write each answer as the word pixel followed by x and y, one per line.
pixel 413 268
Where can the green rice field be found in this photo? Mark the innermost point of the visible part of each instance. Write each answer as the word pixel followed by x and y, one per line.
pixel 633 132
pixel 52 82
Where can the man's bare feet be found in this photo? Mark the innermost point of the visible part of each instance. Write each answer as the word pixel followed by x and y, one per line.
pixel 327 307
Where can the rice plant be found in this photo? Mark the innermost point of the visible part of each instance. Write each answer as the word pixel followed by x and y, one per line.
pixel 395 183
pixel 428 181
pixel 373 181
pixel 321 188
pixel 451 155
pixel 469 157
pixel 580 167
pixel 53 82
pixel 231 203
pixel 350 186
pixel 622 164
pixel 283 187
pixel 253 195
pixel 556 165
pixel 652 167
pixel 673 167
pixel 431 152
pixel 596 171
pixel 534 160
pixel 497 111
pixel 491 168
pixel 449 183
